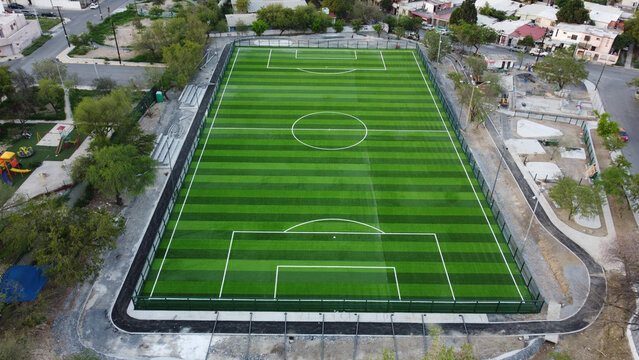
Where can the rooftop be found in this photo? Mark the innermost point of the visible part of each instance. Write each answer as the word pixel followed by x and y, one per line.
pixel 412 6
pixel 484 20
pixel 587 29
pixel 602 13
pixel 508 26
pixel 507 6
pixel 539 10
pixel 7 18
pixel 535 31
pixel 255 5
pixel 233 19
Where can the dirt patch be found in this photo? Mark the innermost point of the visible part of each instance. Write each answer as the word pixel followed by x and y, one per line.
pixel 126 33
pixel 109 53
pixel 150 120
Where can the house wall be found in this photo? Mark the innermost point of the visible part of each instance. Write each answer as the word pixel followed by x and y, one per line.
pixel 20 39
pixel 46 4
pixel 591 47
pixel 539 21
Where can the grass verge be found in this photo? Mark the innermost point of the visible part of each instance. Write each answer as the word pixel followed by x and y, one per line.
pixel 37 43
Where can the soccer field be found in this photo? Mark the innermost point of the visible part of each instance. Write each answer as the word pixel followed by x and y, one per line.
pixel 330 174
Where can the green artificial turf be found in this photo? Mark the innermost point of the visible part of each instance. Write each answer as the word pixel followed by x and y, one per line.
pixel 296 137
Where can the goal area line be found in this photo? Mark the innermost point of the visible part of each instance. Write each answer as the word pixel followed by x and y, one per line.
pixel 326 68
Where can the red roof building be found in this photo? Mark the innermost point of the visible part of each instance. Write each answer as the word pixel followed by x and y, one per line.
pixel 536 32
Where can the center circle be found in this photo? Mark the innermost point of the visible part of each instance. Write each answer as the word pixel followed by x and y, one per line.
pixel 329 130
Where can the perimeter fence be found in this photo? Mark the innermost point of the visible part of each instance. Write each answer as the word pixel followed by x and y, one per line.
pixel 169 196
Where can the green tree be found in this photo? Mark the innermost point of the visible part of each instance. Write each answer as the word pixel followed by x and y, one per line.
pixel 72 241
pixel 49 69
pixel 221 26
pixel 303 17
pixel 398 31
pixel 632 188
pixel 356 25
pixel 387 5
pixel 409 23
pixel 614 143
pixel 378 29
pixel 432 42
pixel 339 25
pixel 466 12
pixel 605 126
pixel 391 21
pixel 6 82
pixel 365 12
pixel 242 6
pixel 339 7
pixel 103 84
pixel 573 12
pixel 120 169
pixel 614 178
pixel 477 66
pixel 578 199
pixel 181 62
pixel 241 27
pixel 98 118
pixel 520 58
pixel 527 41
pixel 259 27
pixel 622 41
pixel 155 12
pixel 561 68
pixel 473 35
pixel 321 23
pixel 49 92
pixel 631 27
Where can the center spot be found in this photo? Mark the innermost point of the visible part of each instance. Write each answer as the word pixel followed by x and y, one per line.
pixel 329 130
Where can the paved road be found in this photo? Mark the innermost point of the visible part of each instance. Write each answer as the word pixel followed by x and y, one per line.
pixel 619 102
pixel 85 73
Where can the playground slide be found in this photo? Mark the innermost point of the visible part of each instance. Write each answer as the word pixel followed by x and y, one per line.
pixel 6 179
pixel 22 171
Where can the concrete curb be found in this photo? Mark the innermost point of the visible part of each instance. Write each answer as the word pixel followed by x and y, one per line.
pixel 64 58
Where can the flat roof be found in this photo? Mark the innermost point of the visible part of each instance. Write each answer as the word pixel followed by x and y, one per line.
pixel 507 6
pixel 508 26
pixel 540 10
pixel 587 29
pixel 234 19
pixel 255 5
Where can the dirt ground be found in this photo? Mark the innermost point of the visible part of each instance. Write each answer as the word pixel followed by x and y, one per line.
pixel 126 34
pixel 105 52
pixel 149 121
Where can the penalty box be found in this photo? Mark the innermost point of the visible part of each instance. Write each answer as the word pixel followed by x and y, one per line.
pixel 320 264
pixel 337 60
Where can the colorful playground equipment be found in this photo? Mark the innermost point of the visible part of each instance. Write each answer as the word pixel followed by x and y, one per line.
pixel 9 164
pixel 25 152
pixel 65 138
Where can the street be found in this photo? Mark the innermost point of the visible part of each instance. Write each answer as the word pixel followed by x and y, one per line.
pixel 85 73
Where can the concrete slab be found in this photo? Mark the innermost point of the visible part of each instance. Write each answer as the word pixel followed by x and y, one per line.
pixel 52 138
pixel 544 170
pixel 592 222
pixel 579 154
pixel 525 146
pixel 531 129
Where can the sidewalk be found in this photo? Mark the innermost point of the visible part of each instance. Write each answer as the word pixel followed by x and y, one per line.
pixel 64 57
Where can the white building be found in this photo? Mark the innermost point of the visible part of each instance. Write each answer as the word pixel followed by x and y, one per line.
pixel 539 14
pixel 602 15
pixel 592 42
pixel 507 6
pixel 507 27
pixel 16 33
pixel 255 5
pixel 500 61
pixel 406 8
pixel 46 4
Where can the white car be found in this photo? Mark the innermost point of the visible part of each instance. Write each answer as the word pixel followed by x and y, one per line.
pixel 94 5
pixel 538 51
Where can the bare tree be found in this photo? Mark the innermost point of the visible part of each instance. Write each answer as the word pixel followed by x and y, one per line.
pixel 623 289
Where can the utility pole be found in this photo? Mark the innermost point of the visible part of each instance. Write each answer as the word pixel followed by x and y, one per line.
pixel 116 42
pixel 64 27
pixel 603 67
pixel 542 48
pixel 100 10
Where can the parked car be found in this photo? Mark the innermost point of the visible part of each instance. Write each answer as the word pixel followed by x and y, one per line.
pixel 517 48
pixel 28 12
pixel 94 5
pixel 427 26
pixel 15 6
pixel 623 134
pixel 45 13
pixel 538 51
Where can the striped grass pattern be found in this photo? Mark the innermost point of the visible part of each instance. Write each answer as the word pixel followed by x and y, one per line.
pixel 331 174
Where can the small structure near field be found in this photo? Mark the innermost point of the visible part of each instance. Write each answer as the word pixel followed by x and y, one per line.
pixel 500 61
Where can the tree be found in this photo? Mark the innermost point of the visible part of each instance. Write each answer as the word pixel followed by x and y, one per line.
pixel 181 62
pixel 6 82
pixel 527 42
pixel 99 118
pixel 378 29
pixel 605 126
pixel 221 26
pixel 409 23
pixel 155 12
pixel 578 199
pixel 366 13
pixel 466 12
pixel 439 351
pixel 473 35
pixel 339 7
pixel 632 191
pixel 104 84
pixel 259 27
pixel 70 241
pixel 242 6
pixel 573 12
pixel 241 27
pixel 320 24
pixel 398 31
pixel 356 25
pixel 614 178
pixel 622 41
pixel 120 169
pixel 391 21
pixel 50 93
pixel 561 68
pixel 520 58
pixel 436 50
pixel 49 69
pixel 303 17
pixel 477 66
pixel 476 101
pixel 339 26
pixel 387 5
pixel 631 27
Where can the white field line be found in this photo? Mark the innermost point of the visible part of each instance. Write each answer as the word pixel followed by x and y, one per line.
pixel 324 68
pixel 327 232
pixel 177 221
pixel 445 270
pixel 309 70
pixel 228 256
pixel 383 62
pixel 312 129
pixel 468 177
pixel 269 58
pixel 277 272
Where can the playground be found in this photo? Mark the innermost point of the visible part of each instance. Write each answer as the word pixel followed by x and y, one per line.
pixel 39 153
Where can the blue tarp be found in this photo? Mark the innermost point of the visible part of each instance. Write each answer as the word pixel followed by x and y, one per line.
pixel 22 283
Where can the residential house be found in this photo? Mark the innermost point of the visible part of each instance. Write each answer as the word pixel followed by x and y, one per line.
pixel 537 33
pixel 17 33
pixel 505 28
pixel 629 4
pixel 592 42
pixel 435 12
pixel 47 4
pixel 539 14
pixel 232 20
pixel 603 16
pixel 255 5
pixel 499 61
pixel 507 6
pixel 406 8
pixel 483 20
